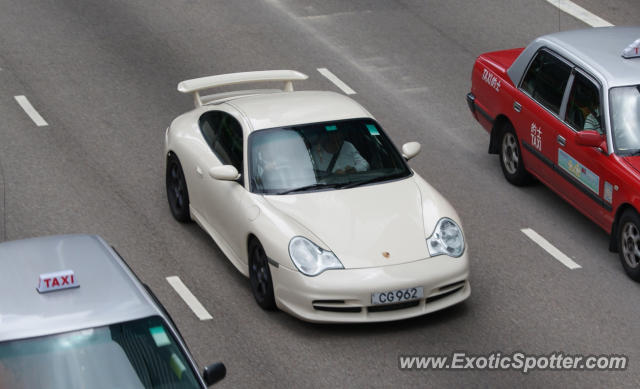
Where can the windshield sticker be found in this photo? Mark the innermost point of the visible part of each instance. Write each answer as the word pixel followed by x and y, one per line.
pixel 159 336
pixel 331 128
pixel 536 136
pixel 579 171
pixel 491 79
pixel 608 192
pixel 177 366
pixel 372 129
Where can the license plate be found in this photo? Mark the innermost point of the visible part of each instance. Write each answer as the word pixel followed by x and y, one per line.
pixel 397 296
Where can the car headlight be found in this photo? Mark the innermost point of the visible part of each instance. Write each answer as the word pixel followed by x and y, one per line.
pixel 310 259
pixel 446 239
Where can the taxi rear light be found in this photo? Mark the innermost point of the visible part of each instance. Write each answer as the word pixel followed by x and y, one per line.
pixel 50 282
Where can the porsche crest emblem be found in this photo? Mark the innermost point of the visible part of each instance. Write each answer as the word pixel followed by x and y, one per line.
pixel 385 254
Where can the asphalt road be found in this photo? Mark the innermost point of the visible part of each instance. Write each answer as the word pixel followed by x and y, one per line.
pixel 103 74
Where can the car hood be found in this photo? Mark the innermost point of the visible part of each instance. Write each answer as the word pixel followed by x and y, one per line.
pixel 361 224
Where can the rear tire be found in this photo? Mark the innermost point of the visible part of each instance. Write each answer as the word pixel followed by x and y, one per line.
pixel 177 193
pixel 511 157
pixel 629 243
pixel 260 277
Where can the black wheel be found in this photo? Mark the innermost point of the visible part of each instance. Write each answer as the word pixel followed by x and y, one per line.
pixel 629 243
pixel 511 158
pixel 260 277
pixel 177 192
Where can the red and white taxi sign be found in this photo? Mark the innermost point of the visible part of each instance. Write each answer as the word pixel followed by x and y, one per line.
pixel 64 279
pixel 633 50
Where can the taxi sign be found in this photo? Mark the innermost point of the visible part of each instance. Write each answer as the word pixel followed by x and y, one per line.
pixel 633 50
pixel 50 282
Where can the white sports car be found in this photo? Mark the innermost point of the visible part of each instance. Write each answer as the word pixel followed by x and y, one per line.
pixel 307 196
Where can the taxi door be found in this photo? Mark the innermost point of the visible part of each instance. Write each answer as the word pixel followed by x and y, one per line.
pixel 582 175
pixel 537 113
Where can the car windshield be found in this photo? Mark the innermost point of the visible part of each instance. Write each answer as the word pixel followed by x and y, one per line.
pixel 135 354
pixel 319 156
pixel 625 118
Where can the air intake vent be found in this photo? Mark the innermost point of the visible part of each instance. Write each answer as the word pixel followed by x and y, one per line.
pixel 393 307
pixel 443 295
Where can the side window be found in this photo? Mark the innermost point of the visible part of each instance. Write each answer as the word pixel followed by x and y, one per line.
pixel 546 80
pixel 208 122
pixel 583 108
pixel 223 133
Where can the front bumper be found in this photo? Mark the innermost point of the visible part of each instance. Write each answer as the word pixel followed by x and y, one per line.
pixel 471 99
pixel 345 295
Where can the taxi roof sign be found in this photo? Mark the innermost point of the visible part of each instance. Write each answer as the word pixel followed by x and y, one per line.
pixel 633 50
pixel 50 282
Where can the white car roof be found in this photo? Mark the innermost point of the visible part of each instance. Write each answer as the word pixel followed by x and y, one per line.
pixel 277 109
pixel 597 50
pixel 108 292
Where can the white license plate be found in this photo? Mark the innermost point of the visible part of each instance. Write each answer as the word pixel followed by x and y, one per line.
pixel 397 296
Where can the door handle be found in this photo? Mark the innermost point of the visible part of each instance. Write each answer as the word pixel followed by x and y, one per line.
pixel 199 172
pixel 517 106
pixel 561 140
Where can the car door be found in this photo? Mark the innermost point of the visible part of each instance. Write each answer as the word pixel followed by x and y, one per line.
pixel 537 113
pixel 584 179
pixel 221 202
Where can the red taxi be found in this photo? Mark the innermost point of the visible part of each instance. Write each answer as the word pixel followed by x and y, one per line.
pixel 566 110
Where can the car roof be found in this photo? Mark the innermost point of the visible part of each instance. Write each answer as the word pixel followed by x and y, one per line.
pixel 108 291
pixel 277 109
pixel 597 50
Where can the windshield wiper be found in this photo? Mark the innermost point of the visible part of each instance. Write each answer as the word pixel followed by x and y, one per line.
pixel 372 180
pixel 317 185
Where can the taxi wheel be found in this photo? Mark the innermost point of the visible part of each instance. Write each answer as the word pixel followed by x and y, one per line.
pixel 629 243
pixel 260 277
pixel 511 158
pixel 177 193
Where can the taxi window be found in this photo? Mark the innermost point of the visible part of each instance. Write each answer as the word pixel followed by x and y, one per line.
pixel 624 108
pixel 546 80
pixel 135 354
pixel 583 107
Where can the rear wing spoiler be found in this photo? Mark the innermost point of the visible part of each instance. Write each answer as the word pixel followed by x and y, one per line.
pixel 199 84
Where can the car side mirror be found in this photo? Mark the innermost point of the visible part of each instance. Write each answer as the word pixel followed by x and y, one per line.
pixel 224 173
pixel 410 150
pixel 591 138
pixel 214 373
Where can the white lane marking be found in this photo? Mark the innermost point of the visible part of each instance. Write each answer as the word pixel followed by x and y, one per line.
pixel 189 298
pixel 28 108
pixel 339 83
pixel 578 12
pixel 557 254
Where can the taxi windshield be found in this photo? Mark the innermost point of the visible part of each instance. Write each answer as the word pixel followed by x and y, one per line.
pixel 318 156
pixel 625 118
pixel 135 354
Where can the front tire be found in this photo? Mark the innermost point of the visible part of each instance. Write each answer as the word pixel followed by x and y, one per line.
pixel 177 193
pixel 260 277
pixel 511 158
pixel 629 243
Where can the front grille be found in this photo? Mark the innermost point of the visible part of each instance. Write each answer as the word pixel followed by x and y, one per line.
pixel 393 307
pixel 443 295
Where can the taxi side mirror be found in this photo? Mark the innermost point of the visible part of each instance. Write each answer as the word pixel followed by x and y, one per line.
pixel 410 150
pixel 591 138
pixel 214 373
pixel 224 173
